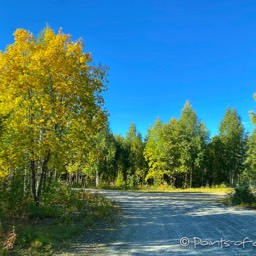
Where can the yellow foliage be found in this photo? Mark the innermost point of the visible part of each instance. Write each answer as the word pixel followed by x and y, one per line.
pixel 49 98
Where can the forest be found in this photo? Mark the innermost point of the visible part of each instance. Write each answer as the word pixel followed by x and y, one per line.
pixel 179 154
pixel 55 136
pixel 54 128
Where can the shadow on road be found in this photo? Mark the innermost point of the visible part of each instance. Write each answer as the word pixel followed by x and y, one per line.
pixel 172 224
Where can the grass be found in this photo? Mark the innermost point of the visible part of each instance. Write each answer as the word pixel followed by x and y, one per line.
pixel 40 231
pixel 221 189
pixel 214 190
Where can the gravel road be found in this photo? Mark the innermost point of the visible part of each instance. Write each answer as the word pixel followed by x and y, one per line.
pixel 172 224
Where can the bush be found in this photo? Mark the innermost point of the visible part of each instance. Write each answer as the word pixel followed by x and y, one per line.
pixel 242 196
pixel 222 185
pixel 120 182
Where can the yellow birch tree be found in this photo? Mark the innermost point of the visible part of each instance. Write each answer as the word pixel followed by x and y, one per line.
pixel 50 104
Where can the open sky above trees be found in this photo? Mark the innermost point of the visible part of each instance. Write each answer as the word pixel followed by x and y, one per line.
pixel 160 53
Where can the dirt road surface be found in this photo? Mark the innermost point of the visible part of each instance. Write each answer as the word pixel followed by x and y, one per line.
pixel 171 224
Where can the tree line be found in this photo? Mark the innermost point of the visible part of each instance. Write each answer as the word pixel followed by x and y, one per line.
pixel 181 153
pixel 54 128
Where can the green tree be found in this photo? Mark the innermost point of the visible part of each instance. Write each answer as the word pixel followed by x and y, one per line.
pixel 135 146
pixel 233 138
pixel 102 156
pixel 122 162
pixel 153 152
pixel 249 174
pixel 170 153
pixel 193 137
pixel 215 163
pixel 161 152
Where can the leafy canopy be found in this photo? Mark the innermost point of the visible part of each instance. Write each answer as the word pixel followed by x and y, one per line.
pixel 50 102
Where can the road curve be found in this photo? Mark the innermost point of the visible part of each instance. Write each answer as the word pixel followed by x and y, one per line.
pixel 172 224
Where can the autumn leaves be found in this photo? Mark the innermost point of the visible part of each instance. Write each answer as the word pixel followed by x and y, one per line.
pixel 50 104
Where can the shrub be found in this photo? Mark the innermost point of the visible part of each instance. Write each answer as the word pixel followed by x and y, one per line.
pixel 242 196
pixel 62 216
pixel 120 182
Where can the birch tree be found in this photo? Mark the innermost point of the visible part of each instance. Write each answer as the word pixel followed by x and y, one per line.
pixel 50 104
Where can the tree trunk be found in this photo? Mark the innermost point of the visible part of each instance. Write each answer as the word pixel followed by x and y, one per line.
pixel 190 179
pixel 186 180
pixel 97 180
pixel 43 175
pixel 33 177
pixel 25 182
pixel 37 190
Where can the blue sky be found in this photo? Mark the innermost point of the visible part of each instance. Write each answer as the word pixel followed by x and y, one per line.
pixel 160 53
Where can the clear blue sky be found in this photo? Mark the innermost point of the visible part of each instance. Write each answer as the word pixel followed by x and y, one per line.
pixel 160 53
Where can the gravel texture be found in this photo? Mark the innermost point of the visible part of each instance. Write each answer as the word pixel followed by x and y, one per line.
pixel 171 224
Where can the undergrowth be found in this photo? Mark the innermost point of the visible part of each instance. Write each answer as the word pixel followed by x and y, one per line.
pixel 62 216
pixel 241 196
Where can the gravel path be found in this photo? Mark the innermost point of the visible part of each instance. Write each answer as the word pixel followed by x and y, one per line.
pixel 172 224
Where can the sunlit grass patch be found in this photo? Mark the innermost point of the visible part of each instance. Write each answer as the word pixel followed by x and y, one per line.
pixel 164 188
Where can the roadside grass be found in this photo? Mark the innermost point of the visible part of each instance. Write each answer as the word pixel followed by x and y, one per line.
pixel 219 189
pixel 214 190
pixel 43 230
